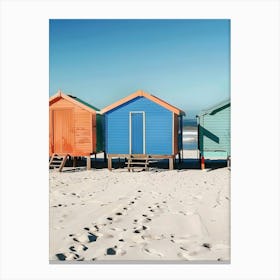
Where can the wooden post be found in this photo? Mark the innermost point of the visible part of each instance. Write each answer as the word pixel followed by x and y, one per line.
pixel 228 161
pixel 171 163
pixel 180 159
pixel 74 161
pixel 202 163
pixel 109 163
pixel 88 163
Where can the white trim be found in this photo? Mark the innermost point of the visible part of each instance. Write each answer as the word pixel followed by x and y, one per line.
pixel 144 130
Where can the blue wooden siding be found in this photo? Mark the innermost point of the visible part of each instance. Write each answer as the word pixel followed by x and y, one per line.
pixel 214 133
pixel 158 127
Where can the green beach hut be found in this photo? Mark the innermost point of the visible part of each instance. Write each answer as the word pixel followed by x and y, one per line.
pixel 214 132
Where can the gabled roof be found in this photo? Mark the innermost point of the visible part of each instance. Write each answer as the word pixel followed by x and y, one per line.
pixel 212 110
pixel 74 100
pixel 141 93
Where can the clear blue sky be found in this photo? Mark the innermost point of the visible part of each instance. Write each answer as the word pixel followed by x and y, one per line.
pixel 184 62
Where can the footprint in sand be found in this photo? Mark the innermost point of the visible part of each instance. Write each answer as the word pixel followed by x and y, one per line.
pixel 184 249
pixel 77 248
pixel 184 256
pixel 149 237
pixel 108 236
pixel 117 229
pixel 207 245
pixel 151 251
pixel 86 238
pixel 114 251
pixel 69 256
pixel 61 256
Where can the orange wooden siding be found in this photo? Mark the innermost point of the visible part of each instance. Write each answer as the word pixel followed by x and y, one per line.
pixel 50 132
pixel 71 129
pixel 63 139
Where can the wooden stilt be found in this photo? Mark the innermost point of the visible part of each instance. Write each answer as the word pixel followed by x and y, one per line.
pixel 202 163
pixel 171 163
pixel 88 163
pixel 180 159
pixel 109 163
pixel 228 161
pixel 74 161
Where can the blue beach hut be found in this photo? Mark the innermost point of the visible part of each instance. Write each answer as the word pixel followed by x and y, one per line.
pixel 214 132
pixel 143 125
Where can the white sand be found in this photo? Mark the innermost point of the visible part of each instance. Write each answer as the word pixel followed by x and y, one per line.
pixel 155 215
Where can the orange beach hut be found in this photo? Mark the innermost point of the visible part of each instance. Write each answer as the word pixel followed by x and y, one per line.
pixel 75 127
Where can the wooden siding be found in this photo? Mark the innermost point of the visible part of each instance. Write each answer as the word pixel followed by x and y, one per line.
pixel 63 131
pixel 83 131
pixel 77 127
pixel 51 132
pixel 214 134
pixel 158 127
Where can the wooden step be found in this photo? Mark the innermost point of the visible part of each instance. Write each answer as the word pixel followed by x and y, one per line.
pixel 58 161
pixel 137 162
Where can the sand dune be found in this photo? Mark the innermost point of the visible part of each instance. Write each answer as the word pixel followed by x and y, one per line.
pixel 100 215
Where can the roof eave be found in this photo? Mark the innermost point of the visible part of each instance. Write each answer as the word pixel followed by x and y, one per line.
pixel 60 94
pixel 148 96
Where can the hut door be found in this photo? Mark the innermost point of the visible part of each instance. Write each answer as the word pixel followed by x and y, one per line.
pixel 63 131
pixel 137 133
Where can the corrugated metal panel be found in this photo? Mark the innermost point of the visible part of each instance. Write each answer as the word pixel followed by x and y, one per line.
pixel 214 133
pixel 158 127
pixel 180 133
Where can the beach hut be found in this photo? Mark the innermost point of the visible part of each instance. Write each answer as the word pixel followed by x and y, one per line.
pixel 214 132
pixel 142 126
pixel 75 128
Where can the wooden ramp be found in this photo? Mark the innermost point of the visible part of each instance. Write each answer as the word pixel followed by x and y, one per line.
pixel 138 162
pixel 58 162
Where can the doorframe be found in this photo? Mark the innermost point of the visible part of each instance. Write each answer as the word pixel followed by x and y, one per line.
pixel 144 130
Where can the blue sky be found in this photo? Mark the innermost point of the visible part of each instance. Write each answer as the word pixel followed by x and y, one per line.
pixel 184 62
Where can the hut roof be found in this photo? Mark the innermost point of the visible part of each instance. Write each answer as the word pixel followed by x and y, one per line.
pixel 217 107
pixel 148 96
pixel 81 103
